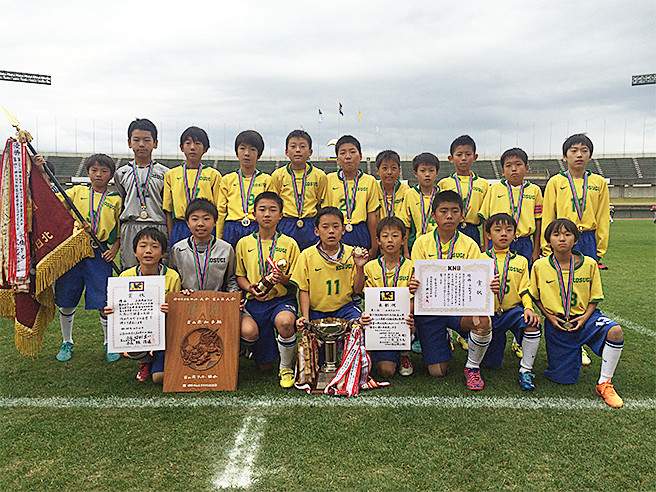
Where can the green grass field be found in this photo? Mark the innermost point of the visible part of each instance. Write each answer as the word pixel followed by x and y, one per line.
pixel 88 425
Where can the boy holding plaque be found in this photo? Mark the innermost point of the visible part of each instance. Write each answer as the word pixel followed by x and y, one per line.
pixel 447 242
pixel 239 189
pixel 264 262
pixel 513 304
pixel 566 287
pixel 355 193
pixel 191 180
pixel 302 187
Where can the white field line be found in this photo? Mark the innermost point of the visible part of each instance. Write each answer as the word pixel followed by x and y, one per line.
pixel 303 400
pixel 625 323
pixel 238 472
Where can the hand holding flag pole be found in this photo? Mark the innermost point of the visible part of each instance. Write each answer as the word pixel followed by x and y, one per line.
pixel 25 137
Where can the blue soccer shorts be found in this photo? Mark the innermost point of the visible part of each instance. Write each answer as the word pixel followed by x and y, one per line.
pixel 434 337
pixel 264 314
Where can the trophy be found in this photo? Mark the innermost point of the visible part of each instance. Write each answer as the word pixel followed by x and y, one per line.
pixel 266 283
pixel 329 330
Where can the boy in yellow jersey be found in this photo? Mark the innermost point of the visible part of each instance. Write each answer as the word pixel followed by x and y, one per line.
pixel 416 213
pixel 103 210
pixel 328 273
pixel 566 287
pixel 391 269
pixel 276 309
pixel 392 191
pixel 355 194
pixel 150 246
pixel 447 242
pixel 301 187
pixel 470 186
pixel 239 189
pixel 513 304
pixel 519 198
pixel 191 180
pixel 580 196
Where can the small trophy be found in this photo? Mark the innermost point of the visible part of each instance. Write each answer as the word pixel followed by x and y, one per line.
pixel 329 330
pixel 266 283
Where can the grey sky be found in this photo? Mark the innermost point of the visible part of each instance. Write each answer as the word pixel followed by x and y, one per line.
pixel 421 73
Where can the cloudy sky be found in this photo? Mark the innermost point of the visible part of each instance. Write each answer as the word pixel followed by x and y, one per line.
pixel 419 72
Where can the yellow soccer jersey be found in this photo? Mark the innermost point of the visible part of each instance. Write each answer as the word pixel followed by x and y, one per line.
pixel 373 273
pixel 479 190
pixel 399 195
pixel 366 196
pixel 425 247
pixel 230 205
pixel 546 289
pixel 517 283
pixel 172 282
pixel 330 285
pixel 175 198
pixel 248 263
pixel 497 201
pixel 315 188
pixel 108 228
pixel 411 215
pixel 559 204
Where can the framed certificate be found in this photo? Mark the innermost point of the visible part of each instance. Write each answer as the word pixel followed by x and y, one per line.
pixel 137 323
pixel 454 287
pixel 388 308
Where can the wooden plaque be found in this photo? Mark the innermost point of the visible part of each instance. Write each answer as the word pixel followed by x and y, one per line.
pixel 202 341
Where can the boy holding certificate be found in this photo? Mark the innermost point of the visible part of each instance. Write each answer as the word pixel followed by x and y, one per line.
pixel 447 242
pixel 513 304
pixel 566 287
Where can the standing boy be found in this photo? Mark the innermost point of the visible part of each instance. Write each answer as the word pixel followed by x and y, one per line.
pixel 140 184
pixel 392 191
pixel 302 187
pixel 191 180
pixel 470 186
pixel 239 189
pixel 276 309
pixel 355 194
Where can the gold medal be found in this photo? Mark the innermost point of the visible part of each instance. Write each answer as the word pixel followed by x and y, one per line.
pixel 143 214
pixel 245 222
pixel 581 228
pixel 349 228
pixel 358 251
pixel 499 312
pixel 299 223
pixel 568 325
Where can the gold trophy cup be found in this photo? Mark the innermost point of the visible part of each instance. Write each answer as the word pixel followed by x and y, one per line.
pixel 329 330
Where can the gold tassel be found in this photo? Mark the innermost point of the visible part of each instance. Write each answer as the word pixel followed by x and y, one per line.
pixel 28 340
pixel 62 258
pixel 7 303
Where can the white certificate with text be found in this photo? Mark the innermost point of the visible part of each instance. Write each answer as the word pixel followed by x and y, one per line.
pixel 388 308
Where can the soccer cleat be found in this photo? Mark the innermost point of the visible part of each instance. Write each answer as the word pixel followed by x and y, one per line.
pixel 607 392
pixel 602 267
pixel 517 350
pixel 144 372
pixel 473 377
pixel 526 381
pixel 416 347
pixel 286 378
pixel 65 352
pixel 111 357
pixel 463 343
pixel 406 368
pixel 585 358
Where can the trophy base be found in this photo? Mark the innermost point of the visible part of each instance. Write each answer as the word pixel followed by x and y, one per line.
pixel 323 379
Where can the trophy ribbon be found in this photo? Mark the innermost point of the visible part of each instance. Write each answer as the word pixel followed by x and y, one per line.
pixel 469 192
pixel 579 206
pixel 425 214
pixel 298 197
pixel 397 271
pixel 326 257
pixel 201 271
pixel 452 245
pixel 94 215
pixel 191 194
pixel 504 275
pixel 349 201
pixel 142 191
pixel 515 211
pixel 389 208
pixel 247 196
pixel 566 291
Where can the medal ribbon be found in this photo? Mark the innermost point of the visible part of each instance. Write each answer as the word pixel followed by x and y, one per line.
pixel 397 271
pixel 201 273
pixel 299 197
pixel 504 275
pixel 139 274
pixel 515 211
pixel 326 257
pixel 141 191
pixel 452 245
pixel 189 193
pixel 389 209
pixel 469 192
pixel 94 215
pixel 425 214
pixel 565 292
pixel 244 199
pixel 350 201
pixel 578 206
pixel 265 267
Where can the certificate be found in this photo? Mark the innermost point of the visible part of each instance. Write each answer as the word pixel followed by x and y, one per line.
pixel 137 323
pixel 454 287
pixel 388 308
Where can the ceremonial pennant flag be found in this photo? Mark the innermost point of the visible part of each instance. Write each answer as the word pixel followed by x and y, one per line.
pixel 359 115
pixel 340 109
pixel 320 116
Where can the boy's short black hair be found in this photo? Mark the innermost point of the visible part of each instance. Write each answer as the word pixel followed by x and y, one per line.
pixel 425 158
pixel 142 124
pixel 250 137
pixel 578 138
pixel 101 160
pixel 560 224
pixel 393 222
pixel 344 139
pixel 299 134
pixel 197 135
pixel 203 205
pixel 153 233
pixel 514 152
pixel 328 211
pixel 503 219
pixel 268 195
pixel 446 196
pixel 387 155
pixel 462 140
